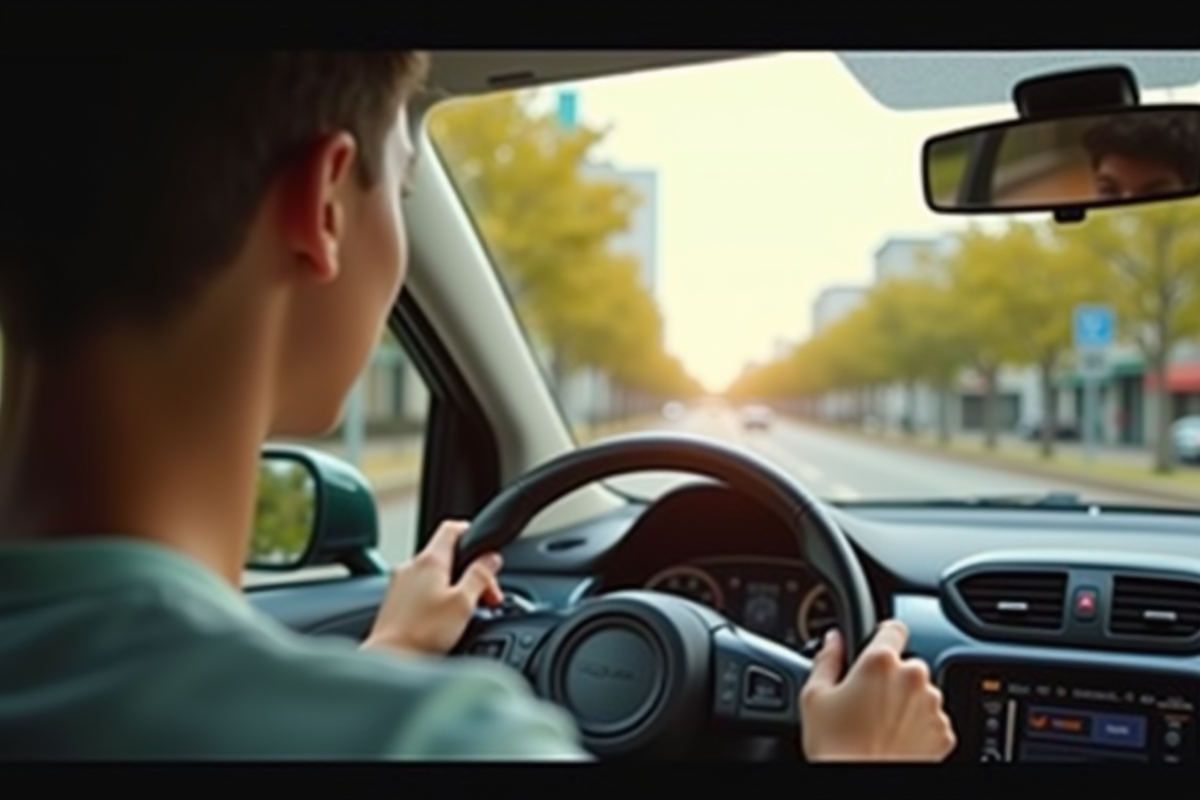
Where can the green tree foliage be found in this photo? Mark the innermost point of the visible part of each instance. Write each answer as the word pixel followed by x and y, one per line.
pixel 1151 255
pixel 905 332
pixel 983 323
pixel 918 336
pixel 1004 298
pixel 1019 286
pixel 284 515
pixel 549 223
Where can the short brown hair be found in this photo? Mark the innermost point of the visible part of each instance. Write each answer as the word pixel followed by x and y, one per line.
pixel 1160 137
pixel 132 179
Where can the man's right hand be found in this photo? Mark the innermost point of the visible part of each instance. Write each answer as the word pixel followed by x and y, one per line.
pixel 886 709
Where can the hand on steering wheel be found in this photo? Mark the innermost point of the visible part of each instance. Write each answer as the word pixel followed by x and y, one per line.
pixel 886 708
pixel 648 674
pixel 423 612
pixel 644 673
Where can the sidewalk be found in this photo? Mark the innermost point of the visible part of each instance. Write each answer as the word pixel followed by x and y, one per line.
pixel 1129 455
pixel 1113 468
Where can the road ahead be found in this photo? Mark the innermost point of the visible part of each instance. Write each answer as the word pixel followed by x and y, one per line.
pixel 841 467
pixel 834 466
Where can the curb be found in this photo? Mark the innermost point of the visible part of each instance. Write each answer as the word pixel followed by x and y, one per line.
pixel 982 459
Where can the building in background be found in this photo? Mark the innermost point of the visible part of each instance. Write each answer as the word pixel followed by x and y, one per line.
pixel 904 256
pixel 589 397
pixel 640 240
pixel 834 303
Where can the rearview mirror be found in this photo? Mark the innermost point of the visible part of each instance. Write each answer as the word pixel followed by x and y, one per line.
pixel 1066 164
pixel 312 510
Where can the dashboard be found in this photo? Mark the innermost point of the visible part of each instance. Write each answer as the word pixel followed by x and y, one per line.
pixel 1055 635
pixel 779 598
pixel 1063 635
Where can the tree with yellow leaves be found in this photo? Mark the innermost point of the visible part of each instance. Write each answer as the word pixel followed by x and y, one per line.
pixel 548 225
pixel 1020 286
pixel 1152 257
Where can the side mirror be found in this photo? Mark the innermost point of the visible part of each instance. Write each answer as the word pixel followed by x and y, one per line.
pixel 313 510
pixel 1066 163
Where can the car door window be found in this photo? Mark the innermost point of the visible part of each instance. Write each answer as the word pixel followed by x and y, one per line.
pixel 382 433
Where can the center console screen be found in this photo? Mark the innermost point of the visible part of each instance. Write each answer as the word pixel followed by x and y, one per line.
pixel 1061 715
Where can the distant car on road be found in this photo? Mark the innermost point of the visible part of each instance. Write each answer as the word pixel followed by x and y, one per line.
pixel 1185 439
pixel 673 411
pixel 756 417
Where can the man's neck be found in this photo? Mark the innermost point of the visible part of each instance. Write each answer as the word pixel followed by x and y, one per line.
pixel 117 440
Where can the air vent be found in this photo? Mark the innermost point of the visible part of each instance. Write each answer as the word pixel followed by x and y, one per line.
pixel 1030 600
pixel 1155 607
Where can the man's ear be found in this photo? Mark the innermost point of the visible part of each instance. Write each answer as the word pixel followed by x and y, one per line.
pixel 312 204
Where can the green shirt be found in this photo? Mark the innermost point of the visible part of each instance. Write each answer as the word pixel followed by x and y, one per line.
pixel 111 648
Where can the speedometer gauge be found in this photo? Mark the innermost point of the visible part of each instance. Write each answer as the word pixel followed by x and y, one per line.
pixel 817 614
pixel 690 582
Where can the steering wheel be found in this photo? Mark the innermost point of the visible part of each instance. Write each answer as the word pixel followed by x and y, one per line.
pixel 647 673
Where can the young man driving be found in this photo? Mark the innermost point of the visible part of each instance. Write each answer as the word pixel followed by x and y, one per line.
pixel 198 252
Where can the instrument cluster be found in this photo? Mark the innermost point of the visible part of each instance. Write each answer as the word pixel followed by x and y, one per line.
pixel 781 599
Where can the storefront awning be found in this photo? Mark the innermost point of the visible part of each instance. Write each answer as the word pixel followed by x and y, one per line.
pixel 1123 368
pixel 1181 378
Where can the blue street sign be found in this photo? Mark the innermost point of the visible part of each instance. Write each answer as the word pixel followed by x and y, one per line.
pixel 568 109
pixel 1094 328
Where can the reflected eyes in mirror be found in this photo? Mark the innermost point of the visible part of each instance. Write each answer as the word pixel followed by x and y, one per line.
pixel 1073 162
pixel 1120 177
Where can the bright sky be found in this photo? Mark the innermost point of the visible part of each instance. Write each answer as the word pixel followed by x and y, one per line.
pixel 778 176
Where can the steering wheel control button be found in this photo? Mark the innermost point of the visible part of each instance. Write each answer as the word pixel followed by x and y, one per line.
pixel 765 690
pixel 1085 604
pixel 521 653
pixel 612 679
pixel 495 647
pixel 728 685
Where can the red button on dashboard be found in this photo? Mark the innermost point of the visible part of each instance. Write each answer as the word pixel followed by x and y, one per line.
pixel 1085 603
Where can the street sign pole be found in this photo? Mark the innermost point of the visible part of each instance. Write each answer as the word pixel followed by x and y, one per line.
pixel 1094 330
pixel 1090 403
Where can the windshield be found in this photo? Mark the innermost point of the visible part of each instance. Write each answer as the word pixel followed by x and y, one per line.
pixel 743 250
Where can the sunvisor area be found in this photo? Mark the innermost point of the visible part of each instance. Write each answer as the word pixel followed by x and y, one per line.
pixel 933 80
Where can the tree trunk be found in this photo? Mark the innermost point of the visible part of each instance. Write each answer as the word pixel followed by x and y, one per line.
pixel 1164 461
pixel 910 409
pixel 1049 409
pixel 944 390
pixel 558 372
pixel 990 422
